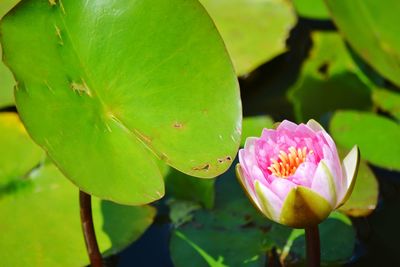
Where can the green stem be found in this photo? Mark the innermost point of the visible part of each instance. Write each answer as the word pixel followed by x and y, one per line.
pixel 88 230
pixel 313 246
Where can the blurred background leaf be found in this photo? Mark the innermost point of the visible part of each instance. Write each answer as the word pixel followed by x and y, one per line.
pixel 253 31
pixel 371 29
pixel 19 154
pixel 7 81
pixel 328 81
pixel 39 209
pixel 377 136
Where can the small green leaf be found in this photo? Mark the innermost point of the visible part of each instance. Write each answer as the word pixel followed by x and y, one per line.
pixel 41 219
pixel 181 211
pixel 376 136
pixel 371 29
pixel 141 81
pixel 388 101
pixel 18 152
pixel 253 126
pixel 254 31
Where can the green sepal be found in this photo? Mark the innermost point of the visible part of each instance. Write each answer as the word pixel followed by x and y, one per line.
pixel 303 208
pixel 240 177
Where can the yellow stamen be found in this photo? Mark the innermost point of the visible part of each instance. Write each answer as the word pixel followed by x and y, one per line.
pixel 288 162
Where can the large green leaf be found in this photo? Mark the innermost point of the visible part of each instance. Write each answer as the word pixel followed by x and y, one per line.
pixel 388 101
pixel 370 27
pixel 18 153
pixel 139 80
pixel 254 31
pixel 376 136
pixel 40 222
pixel 6 79
pixel 329 75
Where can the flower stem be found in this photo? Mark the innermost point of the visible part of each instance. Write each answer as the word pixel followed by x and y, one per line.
pixel 88 230
pixel 313 246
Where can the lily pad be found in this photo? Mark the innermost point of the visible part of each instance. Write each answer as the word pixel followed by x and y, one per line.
pixel 40 217
pixel 377 136
pixel 371 29
pixel 141 81
pixel 232 234
pixel 253 126
pixel 180 186
pixel 337 237
pixel 7 81
pixel 388 101
pixel 331 75
pixel 19 154
pixel 254 31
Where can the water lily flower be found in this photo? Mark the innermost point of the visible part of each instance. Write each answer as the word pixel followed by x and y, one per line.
pixel 293 173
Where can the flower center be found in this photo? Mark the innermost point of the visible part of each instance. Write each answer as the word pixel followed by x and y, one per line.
pixel 287 163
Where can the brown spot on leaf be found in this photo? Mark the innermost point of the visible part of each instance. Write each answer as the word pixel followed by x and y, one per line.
pixel 81 88
pixel 227 158
pixel 204 167
pixel 178 125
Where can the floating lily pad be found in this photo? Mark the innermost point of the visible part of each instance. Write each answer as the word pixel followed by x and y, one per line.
pixel 371 29
pixel 376 136
pixel 235 234
pixel 254 31
pixel 387 101
pixel 329 80
pixel 40 217
pixel 140 81
pixel 184 187
pixel 19 154
pixel 232 234
pixel 253 126
pixel 337 237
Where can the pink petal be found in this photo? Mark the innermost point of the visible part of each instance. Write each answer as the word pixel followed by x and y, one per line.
pixel 281 187
pixel 287 125
pixel 304 174
pixel 324 183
